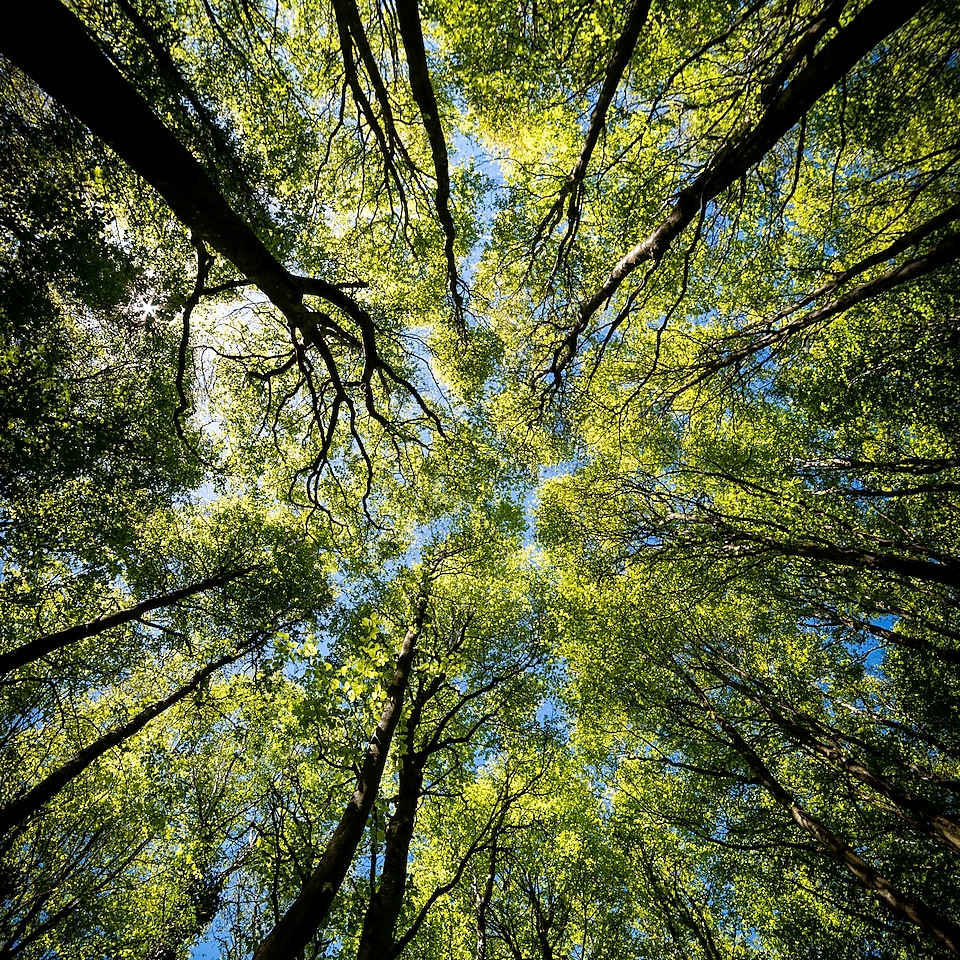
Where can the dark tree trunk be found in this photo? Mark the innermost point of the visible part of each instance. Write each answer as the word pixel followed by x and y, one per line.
pixel 50 44
pixel 786 107
pixel 306 914
pixel 483 897
pixel 942 928
pixel 386 902
pixel 36 649
pixel 946 572
pixel 34 799
pixel 819 739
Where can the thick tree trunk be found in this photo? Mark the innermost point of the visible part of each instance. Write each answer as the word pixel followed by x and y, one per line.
pixel 494 827
pixel 36 649
pixel 944 571
pixel 50 44
pixel 383 912
pixel 819 739
pixel 876 21
pixel 305 915
pixel 34 799
pixel 727 533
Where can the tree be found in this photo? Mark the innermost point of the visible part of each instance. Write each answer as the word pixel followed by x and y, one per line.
pixel 479 479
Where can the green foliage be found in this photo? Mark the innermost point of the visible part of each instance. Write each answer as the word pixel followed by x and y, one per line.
pixel 605 426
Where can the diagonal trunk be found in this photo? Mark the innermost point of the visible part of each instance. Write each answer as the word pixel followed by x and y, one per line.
pixel 616 67
pixel 50 642
pixel 942 928
pixel 386 901
pixel 383 912
pixel 876 21
pixel 50 44
pixel 820 741
pixel 305 915
pixel 17 811
pixel 942 570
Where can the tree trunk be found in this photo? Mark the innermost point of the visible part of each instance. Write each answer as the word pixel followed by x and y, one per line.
pixel 36 649
pixel 876 21
pixel 945 571
pixel 386 901
pixel 821 741
pixel 305 915
pixel 50 44
pixel 482 899
pixel 411 35
pixel 942 928
pixel 31 802
pixel 380 920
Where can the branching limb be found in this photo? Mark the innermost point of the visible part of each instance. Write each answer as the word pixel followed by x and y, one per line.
pixel 18 811
pixel 350 30
pixel 51 642
pixel 774 331
pixel 743 151
pixel 914 910
pixel 616 67
pixel 53 47
pixel 408 18
pixel 204 261
pixel 306 914
pixel 350 27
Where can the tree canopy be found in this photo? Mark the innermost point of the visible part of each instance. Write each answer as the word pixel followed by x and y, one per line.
pixel 480 481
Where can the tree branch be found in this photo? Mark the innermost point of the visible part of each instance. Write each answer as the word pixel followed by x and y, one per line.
pixel 42 646
pixel 745 149
pixel 308 911
pixel 408 17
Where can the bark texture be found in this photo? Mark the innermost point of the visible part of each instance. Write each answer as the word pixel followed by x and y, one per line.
pixel 50 44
